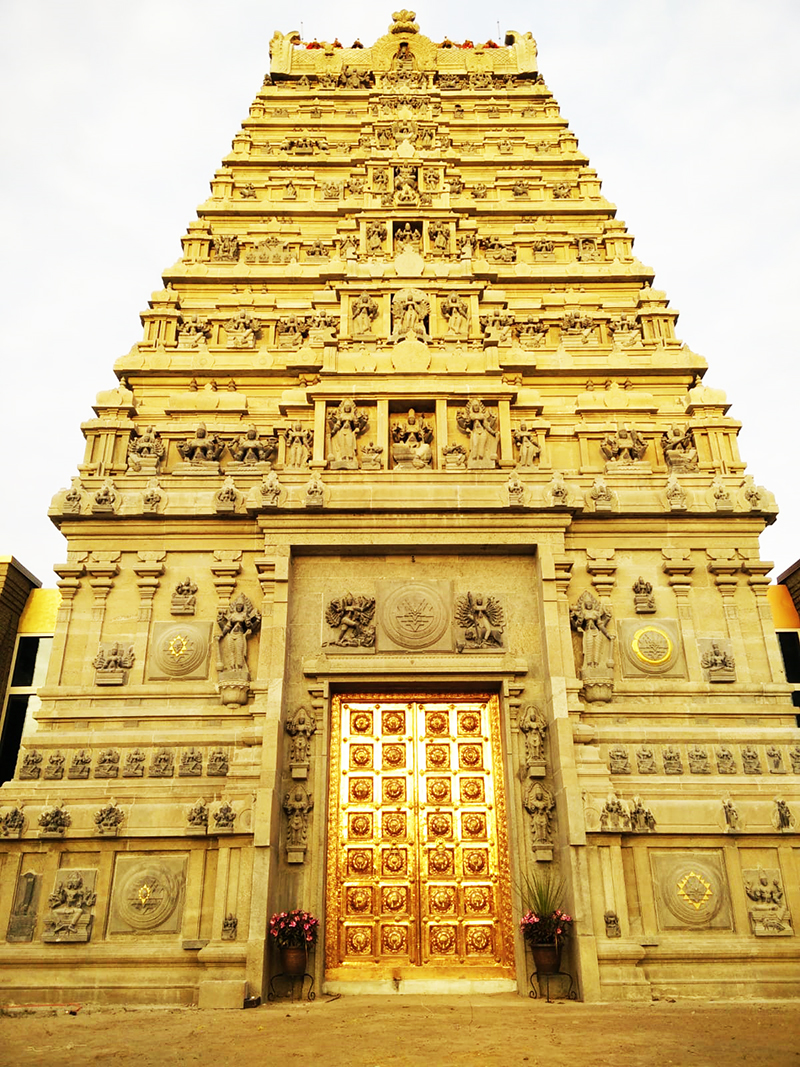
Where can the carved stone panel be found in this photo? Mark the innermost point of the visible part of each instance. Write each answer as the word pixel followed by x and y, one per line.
pixel 766 903
pixel 147 894
pixel 70 916
pixel 691 890
pixel 179 650
pixel 651 648
pixel 22 921
pixel 415 616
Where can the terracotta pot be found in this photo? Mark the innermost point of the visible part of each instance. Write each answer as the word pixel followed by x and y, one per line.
pixel 293 960
pixel 547 957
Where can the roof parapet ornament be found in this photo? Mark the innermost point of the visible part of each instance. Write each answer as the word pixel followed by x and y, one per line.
pixel 403 22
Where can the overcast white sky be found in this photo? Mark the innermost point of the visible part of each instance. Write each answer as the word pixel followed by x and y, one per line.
pixel 116 114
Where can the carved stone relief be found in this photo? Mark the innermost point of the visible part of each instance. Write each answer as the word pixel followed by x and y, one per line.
pixel 107 765
pixel 481 621
pixel 224 817
pixel 698 760
pixel 252 450
pixel 217 766
pixel 184 598
pixel 352 617
pixel 645 760
pixel 12 823
pixel 297 804
pixel 230 926
pixel 25 907
pixel 346 423
pixel 133 767
pixel 623 448
pixel 414 616
pixel 783 818
pixel 775 760
pixel 301 726
pixel 767 909
pixel 197 817
pixel 299 443
pixel 55 766
pixel 146 450
pixel 191 763
pixel 31 765
pixel 691 890
pixel 618 760
pixel 480 426
pixel 54 821
pixel 147 894
pixel 109 819
pixel 726 763
pixel 237 621
pixel 533 727
pixel 717 660
pixel 751 762
pixel 410 311
pixel 653 648
pixel 411 443
pixel 673 764
pixel 71 902
pixel 678 446
pixel 80 764
pixel 179 650
pixel 112 663
pixel 644 602
pixel 162 764
pixel 528 447
pixel 591 618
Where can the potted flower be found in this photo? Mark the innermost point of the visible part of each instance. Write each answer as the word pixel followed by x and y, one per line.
pixel 545 925
pixel 295 932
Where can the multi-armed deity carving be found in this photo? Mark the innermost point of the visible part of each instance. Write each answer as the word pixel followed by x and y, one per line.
pixel 677 443
pixel 193 331
pixel 242 329
pixel 411 449
pixel 591 618
pixel 481 620
pixel 643 600
pixel 718 663
pixel 112 663
pixel 250 449
pixel 364 311
pixel 456 313
pixel 346 424
pixel 768 913
pixel 145 451
pixel 480 426
pixel 376 231
pixel 184 598
pixel 623 447
pixel 353 617
pixel 410 310
pixel 70 916
pixel 237 621
pixel 539 804
pixel 297 804
pixel 299 443
pixel 529 449
pixel 202 449
pixel 533 726
pixel 301 727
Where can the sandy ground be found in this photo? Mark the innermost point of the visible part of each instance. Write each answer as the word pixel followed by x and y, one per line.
pixel 409 1031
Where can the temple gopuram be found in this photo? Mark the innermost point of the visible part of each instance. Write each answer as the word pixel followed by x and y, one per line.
pixel 409 563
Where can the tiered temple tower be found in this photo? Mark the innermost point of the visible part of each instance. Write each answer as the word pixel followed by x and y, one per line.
pixel 410 557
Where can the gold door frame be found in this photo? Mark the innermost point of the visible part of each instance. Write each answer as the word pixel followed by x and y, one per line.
pixel 418 881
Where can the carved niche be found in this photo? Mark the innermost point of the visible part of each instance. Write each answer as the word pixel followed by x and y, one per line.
pixel 680 454
pixel 179 650
pixel 299 443
pixel 481 622
pixel 411 443
pixel 301 727
pixel 691 890
pixel 71 902
pixel 415 615
pixel 767 910
pixel 591 618
pixel 147 894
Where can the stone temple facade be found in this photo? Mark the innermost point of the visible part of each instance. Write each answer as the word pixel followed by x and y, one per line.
pixel 409 557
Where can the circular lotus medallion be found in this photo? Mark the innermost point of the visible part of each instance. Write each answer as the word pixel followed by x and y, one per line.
pixel 439 861
pixel 394 940
pixel 394 825
pixel 148 896
pixel 414 615
pixel 361 722
pixel 394 899
pixel 394 788
pixel 475 862
pixel 470 755
pixel 437 723
pixel 471 789
pixel 443 939
pixel 473 824
pixel 652 646
pixel 469 722
pixel 358 899
pixel 361 789
pixel 478 939
pixel 442 899
pixel 438 825
pixel 181 650
pixel 360 825
pixel 394 755
pixel 439 789
pixel 358 941
pixel 394 722
pixel 477 899
pixel 438 755
pixel 361 861
pixel 394 860
pixel 361 755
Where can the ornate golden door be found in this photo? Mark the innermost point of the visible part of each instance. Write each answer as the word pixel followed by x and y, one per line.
pixel 417 851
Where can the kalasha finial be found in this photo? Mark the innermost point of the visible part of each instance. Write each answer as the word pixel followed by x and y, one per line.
pixel 404 22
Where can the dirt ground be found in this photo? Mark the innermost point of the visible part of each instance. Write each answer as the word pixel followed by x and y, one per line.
pixel 411 1031
pixel 407 1031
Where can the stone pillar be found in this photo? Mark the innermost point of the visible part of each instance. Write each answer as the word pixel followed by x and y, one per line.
pixel 758 580
pixel 678 568
pixel 102 569
pixel 70 574
pixel 148 570
pixel 724 565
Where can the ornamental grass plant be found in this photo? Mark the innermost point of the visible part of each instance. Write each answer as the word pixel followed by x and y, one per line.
pixel 294 929
pixel 544 921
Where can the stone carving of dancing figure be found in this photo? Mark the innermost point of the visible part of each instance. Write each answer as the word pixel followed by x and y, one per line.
pixel 346 424
pixel 480 426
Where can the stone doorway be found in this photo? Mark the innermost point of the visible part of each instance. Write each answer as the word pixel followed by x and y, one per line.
pixel 418 885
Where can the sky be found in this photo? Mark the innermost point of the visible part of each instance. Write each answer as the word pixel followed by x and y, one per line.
pixel 116 113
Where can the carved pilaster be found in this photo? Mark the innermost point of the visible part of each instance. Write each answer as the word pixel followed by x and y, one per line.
pixel 225 566
pixel 602 566
pixel 724 565
pixel 101 568
pixel 70 574
pixel 758 571
pixel 148 569
pixel 678 568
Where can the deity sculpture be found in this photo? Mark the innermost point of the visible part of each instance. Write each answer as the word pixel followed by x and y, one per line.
pixel 731 814
pixel 516 490
pixel 480 425
pixel 539 804
pixel 532 724
pixel 242 330
pixel 643 600
pixel 145 450
pixel 677 443
pixel 271 490
pixel 456 312
pixel 237 621
pixel 624 447
pixel 297 805
pixel 481 618
pixel 412 443
pixel 719 663
pixel 591 619
pixel 299 443
pixel 410 309
pixel 526 440
pixel 301 726
pixel 346 423
pixel 364 312
pixel 201 448
pixel 376 231
pixel 353 617
pixel 250 449
pixel 315 492
pixel 70 909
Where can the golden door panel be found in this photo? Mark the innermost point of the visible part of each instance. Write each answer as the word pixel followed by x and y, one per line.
pixel 417 851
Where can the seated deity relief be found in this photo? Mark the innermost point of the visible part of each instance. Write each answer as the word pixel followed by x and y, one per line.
pixel 203 450
pixel 680 454
pixel 112 664
pixel 411 447
pixel 253 451
pixel 623 448
pixel 146 450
